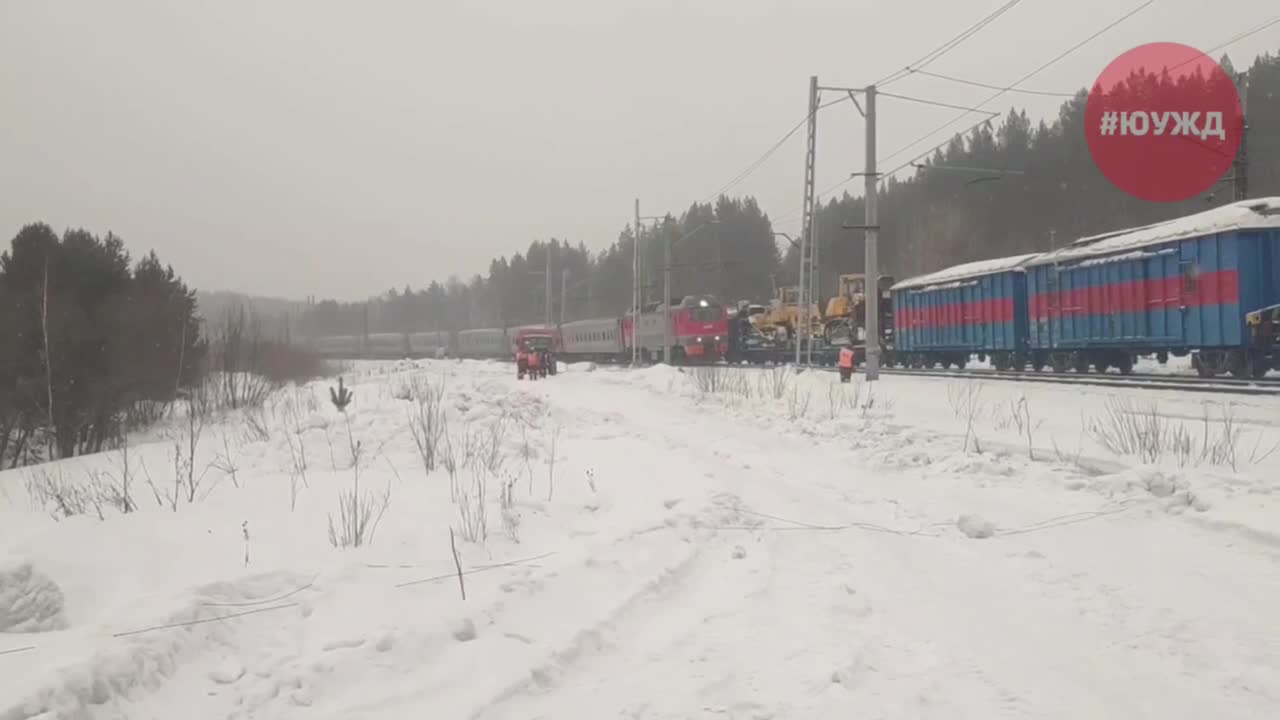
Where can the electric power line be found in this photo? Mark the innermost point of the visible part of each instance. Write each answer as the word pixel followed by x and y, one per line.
pixel 949 45
pixel 883 176
pixel 737 179
pixel 1019 81
pixel 1244 35
pixel 886 175
pixel 1012 88
pixel 926 101
pixel 989 86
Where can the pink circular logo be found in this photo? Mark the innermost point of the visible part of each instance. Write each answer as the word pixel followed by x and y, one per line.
pixel 1164 122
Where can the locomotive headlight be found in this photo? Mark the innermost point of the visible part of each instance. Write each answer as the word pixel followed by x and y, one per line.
pixel 699 340
pixel 717 338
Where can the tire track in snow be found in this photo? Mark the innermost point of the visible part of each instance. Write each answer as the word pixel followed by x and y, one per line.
pixel 1001 637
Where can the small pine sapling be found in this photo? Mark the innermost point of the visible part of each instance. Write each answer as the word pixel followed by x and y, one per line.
pixel 341 397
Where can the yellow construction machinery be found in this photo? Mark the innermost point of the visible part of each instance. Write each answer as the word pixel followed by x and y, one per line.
pixel 845 321
pixel 781 318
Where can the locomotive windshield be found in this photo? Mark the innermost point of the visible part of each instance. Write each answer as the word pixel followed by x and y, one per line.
pixel 704 309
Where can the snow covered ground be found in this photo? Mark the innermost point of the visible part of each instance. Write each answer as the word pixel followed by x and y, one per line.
pixel 662 544
pixel 1143 366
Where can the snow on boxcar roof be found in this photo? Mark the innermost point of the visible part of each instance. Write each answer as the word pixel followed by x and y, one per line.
pixel 966 271
pixel 1245 214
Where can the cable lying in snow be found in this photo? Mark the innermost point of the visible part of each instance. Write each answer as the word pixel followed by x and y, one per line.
pixel 251 603
pixel 799 525
pixel 1074 518
pixel 482 568
pixel 202 620
pixel 1053 522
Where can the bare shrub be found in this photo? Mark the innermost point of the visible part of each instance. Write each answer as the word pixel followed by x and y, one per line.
pixel 50 491
pixel 472 508
pixel 124 479
pixel 710 380
pixel 871 403
pixel 798 403
pixel 450 464
pixel 965 399
pixel 1126 429
pixel 358 514
pixel 551 463
pixel 1019 418
pixel 358 517
pixel 493 456
pixel 196 402
pixel 427 419
pixel 225 462
pixel 256 428
pixel 297 466
pixel 526 455
pixel 510 515
pixel 1143 432
pixel 835 400
pixel 775 381
pixel 234 352
pixel 842 396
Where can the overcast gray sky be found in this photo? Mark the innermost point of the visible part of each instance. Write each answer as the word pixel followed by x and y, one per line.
pixel 294 147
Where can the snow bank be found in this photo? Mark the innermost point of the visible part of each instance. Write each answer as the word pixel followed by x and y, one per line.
pixel 30 602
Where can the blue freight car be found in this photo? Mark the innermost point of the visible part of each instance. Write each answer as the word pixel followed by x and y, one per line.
pixel 1174 288
pixel 979 308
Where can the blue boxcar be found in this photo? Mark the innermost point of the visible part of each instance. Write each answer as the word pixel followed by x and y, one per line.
pixel 976 308
pixel 1178 287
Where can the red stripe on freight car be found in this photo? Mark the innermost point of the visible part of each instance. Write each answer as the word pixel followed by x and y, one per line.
pixel 978 312
pixel 1214 288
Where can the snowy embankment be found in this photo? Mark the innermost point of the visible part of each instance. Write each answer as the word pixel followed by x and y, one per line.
pixel 741 543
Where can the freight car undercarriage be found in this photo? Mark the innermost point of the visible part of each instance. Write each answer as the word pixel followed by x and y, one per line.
pixel 1252 362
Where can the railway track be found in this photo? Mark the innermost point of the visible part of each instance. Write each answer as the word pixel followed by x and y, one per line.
pixel 1145 381
pixel 1148 381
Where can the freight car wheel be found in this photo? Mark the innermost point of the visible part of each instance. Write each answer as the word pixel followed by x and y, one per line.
pixel 1079 363
pixel 1238 363
pixel 1125 364
pixel 1257 365
pixel 1059 362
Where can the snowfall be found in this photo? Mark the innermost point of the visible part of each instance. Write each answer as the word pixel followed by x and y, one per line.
pixel 656 543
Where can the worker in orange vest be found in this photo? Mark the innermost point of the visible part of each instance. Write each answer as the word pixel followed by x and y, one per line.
pixel 522 362
pixel 846 363
pixel 534 361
